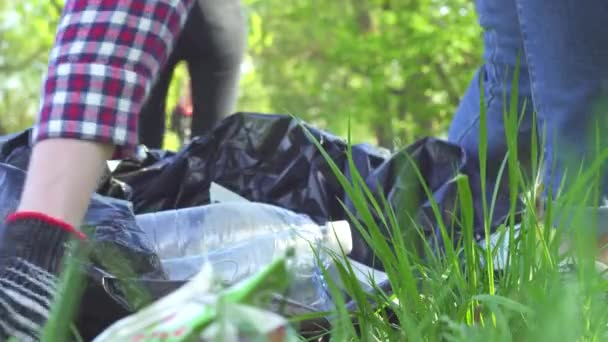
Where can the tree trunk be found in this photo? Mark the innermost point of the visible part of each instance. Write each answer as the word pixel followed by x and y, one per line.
pixel 363 16
pixel 383 129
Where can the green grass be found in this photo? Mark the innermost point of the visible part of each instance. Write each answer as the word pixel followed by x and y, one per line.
pixel 456 296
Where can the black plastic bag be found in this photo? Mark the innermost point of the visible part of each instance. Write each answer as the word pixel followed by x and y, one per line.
pixel 264 158
pixel 15 149
pixel 400 181
pixel 11 185
pixel 270 159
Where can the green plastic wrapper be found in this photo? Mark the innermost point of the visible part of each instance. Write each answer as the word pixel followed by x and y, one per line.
pixel 195 313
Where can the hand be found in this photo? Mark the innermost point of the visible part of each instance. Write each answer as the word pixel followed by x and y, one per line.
pixel 31 249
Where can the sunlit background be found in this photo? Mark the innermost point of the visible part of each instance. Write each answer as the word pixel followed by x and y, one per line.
pixel 397 68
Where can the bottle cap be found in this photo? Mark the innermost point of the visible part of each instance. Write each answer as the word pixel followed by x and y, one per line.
pixel 339 237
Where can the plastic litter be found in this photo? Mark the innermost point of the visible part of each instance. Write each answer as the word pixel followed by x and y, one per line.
pixel 219 230
pixel 239 238
pixel 271 159
pixel 195 312
pixel 262 158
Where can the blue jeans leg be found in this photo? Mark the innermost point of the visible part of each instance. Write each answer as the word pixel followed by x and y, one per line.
pixel 564 69
pixel 566 47
pixel 502 44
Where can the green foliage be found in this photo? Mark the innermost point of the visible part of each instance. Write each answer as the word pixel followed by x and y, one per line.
pixel 26 34
pixel 398 68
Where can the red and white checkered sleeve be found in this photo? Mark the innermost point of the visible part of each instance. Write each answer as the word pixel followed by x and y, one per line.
pixel 106 55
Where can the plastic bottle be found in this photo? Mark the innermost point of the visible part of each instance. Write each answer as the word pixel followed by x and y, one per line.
pixel 233 262
pixel 198 230
pixel 239 239
pixel 214 229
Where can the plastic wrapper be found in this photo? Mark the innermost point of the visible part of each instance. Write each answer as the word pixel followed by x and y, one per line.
pixel 198 312
pixel 121 250
pixel 118 288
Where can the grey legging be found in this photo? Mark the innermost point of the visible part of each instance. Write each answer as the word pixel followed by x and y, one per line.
pixel 212 44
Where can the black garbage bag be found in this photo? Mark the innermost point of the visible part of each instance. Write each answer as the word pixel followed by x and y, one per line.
pixel 264 158
pixel 11 185
pixel 270 159
pixel 400 181
pixel 15 149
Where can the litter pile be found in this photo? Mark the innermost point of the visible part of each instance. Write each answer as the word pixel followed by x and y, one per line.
pixel 257 180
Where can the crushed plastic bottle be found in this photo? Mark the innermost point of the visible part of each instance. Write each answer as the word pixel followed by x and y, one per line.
pixel 240 238
pixel 203 229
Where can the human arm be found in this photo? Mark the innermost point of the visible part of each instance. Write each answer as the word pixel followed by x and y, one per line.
pixel 102 66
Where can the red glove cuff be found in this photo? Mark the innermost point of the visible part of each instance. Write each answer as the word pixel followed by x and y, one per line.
pixel 47 219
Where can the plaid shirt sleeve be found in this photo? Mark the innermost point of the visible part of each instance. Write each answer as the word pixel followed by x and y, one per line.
pixel 105 58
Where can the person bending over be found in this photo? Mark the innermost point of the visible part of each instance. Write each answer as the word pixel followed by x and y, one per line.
pixel 105 59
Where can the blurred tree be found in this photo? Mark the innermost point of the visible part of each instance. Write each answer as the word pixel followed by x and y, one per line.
pixel 26 35
pixel 396 67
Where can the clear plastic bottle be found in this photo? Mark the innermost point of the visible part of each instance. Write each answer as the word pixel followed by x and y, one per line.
pixel 197 230
pixel 239 239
